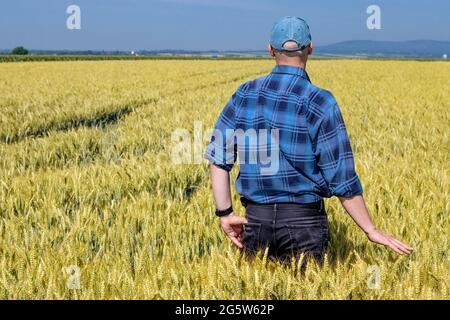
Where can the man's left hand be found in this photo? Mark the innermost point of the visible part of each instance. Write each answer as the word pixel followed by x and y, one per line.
pixel 233 226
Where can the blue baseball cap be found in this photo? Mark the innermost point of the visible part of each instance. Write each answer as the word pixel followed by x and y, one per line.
pixel 290 29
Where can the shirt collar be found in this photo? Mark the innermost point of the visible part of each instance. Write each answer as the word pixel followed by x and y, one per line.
pixel 285 69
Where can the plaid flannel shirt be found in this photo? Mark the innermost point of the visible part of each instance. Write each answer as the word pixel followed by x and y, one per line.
pixel 314 151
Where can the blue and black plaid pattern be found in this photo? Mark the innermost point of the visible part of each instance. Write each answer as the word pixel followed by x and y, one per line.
pixel 315 155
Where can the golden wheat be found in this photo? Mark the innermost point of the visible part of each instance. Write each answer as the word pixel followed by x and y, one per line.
pixel 86 181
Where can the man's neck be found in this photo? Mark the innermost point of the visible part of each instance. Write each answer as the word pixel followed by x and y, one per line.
pixel 292 64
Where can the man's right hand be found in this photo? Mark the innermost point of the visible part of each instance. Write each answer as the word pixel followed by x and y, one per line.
pixel 233 226
pixel 379 237
pixel 356 208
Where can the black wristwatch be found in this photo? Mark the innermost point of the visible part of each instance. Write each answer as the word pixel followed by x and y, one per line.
pixel 222 213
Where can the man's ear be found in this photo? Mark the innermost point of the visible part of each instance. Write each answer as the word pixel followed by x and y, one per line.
pixel 310 48
pixel 271 50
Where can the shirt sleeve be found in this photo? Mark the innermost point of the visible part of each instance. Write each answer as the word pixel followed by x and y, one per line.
pixel 222 151
pixel 334 155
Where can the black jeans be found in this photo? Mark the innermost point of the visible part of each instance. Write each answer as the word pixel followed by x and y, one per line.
pixel 287 230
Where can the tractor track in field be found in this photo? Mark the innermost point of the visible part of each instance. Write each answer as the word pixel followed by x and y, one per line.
pixel 98 121
pixel 103 120
pixel 187 189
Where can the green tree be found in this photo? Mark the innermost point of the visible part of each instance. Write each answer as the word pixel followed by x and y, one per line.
pixel 19 50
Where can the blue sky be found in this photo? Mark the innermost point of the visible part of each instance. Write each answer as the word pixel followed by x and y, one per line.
pixel 210 24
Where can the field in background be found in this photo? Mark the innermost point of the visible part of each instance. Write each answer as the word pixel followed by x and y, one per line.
pixel 188 56
pixel 87 183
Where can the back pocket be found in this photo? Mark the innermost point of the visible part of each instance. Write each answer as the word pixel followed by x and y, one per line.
pixel 310 238
pixel 251 236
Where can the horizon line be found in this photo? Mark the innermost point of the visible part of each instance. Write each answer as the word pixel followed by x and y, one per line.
pixel 222 50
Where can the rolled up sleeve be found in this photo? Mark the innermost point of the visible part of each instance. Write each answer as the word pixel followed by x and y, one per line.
pixel 335 157
pixel 222 151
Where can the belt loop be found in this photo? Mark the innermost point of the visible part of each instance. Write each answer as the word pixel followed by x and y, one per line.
pixel 275 218
pixel 244 202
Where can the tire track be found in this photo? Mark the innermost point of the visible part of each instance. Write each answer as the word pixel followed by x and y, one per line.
pixel 103 120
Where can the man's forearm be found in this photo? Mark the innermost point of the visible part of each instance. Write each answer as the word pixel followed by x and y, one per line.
pixel 220 180
pixel 231 224
pixel 356 208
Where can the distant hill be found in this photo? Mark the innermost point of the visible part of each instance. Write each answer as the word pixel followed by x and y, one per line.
pixel 397 49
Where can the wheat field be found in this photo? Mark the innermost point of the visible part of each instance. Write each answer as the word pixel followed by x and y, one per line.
pixel 92 207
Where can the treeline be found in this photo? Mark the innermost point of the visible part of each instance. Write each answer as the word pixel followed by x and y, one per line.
pixel 27 58
pixel 30 58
